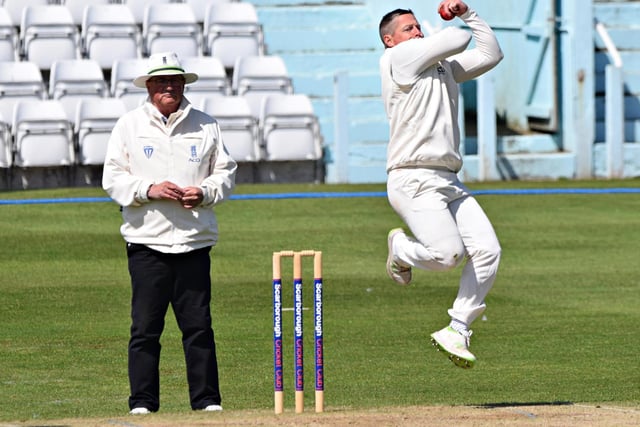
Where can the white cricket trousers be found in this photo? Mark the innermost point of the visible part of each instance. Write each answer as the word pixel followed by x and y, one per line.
pixel 448 225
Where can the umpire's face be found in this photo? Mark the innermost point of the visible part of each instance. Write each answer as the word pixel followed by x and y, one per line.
pixel 166 92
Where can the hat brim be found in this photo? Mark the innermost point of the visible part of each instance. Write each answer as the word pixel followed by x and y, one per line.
pixel 141 81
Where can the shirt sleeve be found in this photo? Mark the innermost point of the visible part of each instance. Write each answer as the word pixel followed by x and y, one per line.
pixel 411 58
pixel 483 57
pixel 219 185
pixel 117 180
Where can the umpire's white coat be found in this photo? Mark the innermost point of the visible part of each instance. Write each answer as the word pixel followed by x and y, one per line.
pixel 188 151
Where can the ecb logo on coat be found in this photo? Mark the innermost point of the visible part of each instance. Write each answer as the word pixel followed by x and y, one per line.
pixel 194 155
pixel 148 151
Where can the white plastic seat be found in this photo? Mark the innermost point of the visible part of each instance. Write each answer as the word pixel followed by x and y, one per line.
pixel 199 7
pixel 43 136
pixel 232 30
pixel 122 75
pixel 290 129
pixel 95 119
pixel 138 7
pixel 255 77
pixel 8 37
pixel 109 32
pixel 6 152
pixel 77 8
pixel 72 80
pixel 15 8
pixel 47 34
pixel 239 127
pixel 19 81
pixel 212 78
pixel 171 27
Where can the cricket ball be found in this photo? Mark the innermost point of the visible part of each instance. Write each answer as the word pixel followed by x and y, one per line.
pixel 445 13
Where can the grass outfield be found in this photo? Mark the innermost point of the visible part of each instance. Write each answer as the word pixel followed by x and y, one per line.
pixel 561 325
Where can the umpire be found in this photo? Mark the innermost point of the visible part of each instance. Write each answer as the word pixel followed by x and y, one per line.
pixel 166 165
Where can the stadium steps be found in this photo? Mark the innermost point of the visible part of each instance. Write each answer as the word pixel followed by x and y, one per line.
pixel 317 40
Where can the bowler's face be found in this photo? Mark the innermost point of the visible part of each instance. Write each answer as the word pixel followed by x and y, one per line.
pixel 406 28
pixel 166 92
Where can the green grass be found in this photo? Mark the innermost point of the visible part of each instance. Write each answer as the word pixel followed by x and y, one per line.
pixel 562 322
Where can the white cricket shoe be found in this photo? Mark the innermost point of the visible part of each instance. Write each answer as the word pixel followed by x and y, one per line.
pixel 399 273
pixel 140 411
pixel 213 408
pixel 455 346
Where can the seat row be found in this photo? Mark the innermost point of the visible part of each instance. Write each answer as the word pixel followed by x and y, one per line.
pixel 110 31
pixel 41 134
pixel 73 80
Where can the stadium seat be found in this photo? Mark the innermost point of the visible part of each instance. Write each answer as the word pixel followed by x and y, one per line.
pixel 47 34
pixel 200 7
pixel 239 127
pixel 171 27
pixel 16 7
pixel 109 32
pixel 19 81
pixel 77 8
pixel 290 129
pixel 122 75
pixel 72 80
pixel 138 7
pixel 232 30
pixel 8 37
pixel 6 153
pixel 255 77
pixel 42 135
pixel 93 125
pixel 212 78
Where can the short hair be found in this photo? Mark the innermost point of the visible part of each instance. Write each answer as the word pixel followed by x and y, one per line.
pixel 386 23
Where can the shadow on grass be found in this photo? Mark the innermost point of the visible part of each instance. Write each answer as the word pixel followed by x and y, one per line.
pixel 516 404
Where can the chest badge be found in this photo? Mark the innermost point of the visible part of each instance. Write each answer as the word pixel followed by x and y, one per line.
pixel 194 155
pixel 148 151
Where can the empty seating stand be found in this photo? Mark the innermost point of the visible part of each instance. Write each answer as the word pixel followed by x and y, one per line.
pixel 290 129
pixel 95 118
pixel 239 127
pixel 255 77
pixel 8 37
pixel 19 81
pixel 212 78
pixel 79 57
pixel 171 27
pixel 47 33
pixel 232 30
pixel 42 135
pixel 72 80
pixel 109 32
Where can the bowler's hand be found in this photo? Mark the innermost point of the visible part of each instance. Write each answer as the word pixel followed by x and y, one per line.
pixel 165 190
pixel 192 197
pixel 449 9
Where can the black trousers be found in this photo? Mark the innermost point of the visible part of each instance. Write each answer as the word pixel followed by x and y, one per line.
pixel 184 281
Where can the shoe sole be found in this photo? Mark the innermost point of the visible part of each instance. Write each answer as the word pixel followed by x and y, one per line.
pixel 457 360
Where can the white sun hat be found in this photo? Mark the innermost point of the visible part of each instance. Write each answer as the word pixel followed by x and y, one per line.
pixel 164 64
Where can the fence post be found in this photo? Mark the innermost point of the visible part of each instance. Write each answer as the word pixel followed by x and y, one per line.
pixel 487 145
pixel 614 121
pixel 341 128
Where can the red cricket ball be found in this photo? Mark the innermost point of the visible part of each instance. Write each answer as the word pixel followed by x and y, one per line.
pixel 445 13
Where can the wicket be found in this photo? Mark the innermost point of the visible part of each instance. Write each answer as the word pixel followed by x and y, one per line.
pixel 278 350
